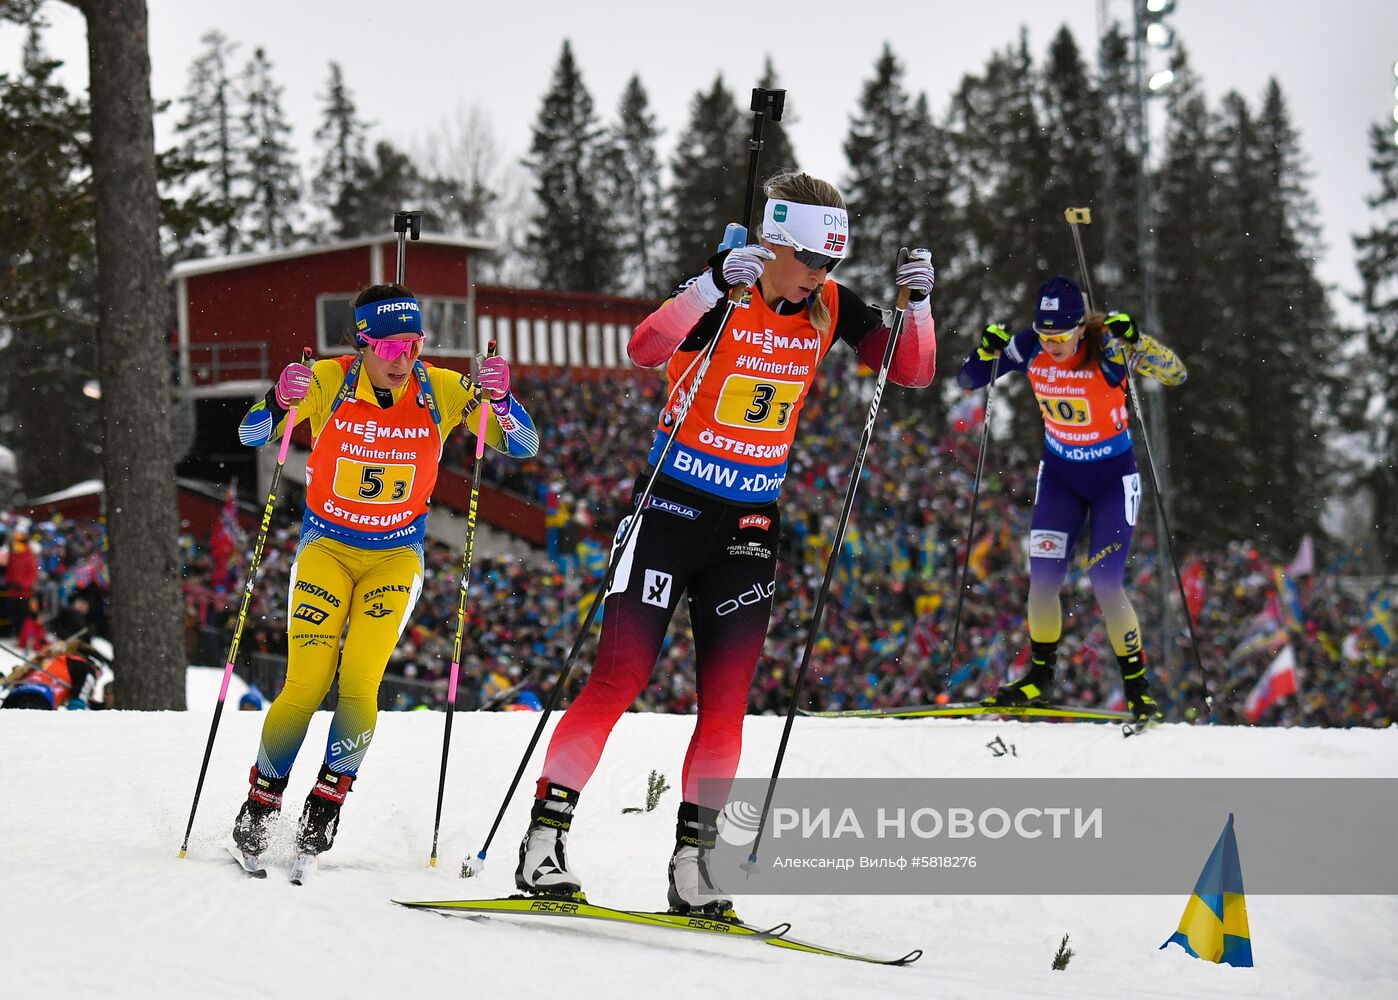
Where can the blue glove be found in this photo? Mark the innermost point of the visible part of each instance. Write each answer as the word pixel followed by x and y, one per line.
pixel 76 705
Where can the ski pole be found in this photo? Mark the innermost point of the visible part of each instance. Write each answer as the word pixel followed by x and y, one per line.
pixel 461 604
pixel 765 103
pixel 253 567
pixel 1083 217
pixel 971 528
pixel 899 312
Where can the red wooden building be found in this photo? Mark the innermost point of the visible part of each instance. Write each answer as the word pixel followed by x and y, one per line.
pixel 242 318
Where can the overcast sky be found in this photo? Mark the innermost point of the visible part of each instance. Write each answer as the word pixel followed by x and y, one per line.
pixel 413 63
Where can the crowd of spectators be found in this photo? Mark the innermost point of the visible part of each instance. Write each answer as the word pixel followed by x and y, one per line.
pixel 886 635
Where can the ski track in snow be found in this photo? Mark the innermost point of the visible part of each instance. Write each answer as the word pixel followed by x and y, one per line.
pixel 93 807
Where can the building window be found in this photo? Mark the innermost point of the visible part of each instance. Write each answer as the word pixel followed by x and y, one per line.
pixel 541 343
pixel 592 350
pixel 444 319
pixel 334 324
pixel 609 335
pixel 558 352
pixel 575 345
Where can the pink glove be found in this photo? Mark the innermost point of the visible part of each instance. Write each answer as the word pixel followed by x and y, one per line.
pixel 293 384
pixel 494 378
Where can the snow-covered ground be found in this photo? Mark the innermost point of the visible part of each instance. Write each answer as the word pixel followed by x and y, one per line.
pixel 94 901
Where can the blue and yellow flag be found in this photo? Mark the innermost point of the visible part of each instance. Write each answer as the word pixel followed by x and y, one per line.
pixel 1215 922
pixel 1380 619
pixel 1288 600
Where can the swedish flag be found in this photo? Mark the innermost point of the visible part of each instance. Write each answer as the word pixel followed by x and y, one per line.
pixel 1380 619
pixel 1215 922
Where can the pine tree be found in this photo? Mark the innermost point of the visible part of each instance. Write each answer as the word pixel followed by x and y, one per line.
pixel 272 172
pixel 1015 236
pixel 1201 420
pixel 932 219
pixel 1377 252
pixel 47 294
pixel 378 188
pixel 1275 306
pixel 1072 122
pixel 133 299
pixel 341 161
pixel 211 127
pixel 707 174
pixel 630 169
pixel 883 158
pixel 1303 330
pixel 571 237
pixel 1116 208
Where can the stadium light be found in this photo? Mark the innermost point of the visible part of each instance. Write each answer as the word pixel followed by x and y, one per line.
pixel 92 389
pixel 1153 33
pixel 1160 82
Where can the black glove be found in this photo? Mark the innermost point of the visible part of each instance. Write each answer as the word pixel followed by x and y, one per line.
pixel 995 339
pixel 1123 327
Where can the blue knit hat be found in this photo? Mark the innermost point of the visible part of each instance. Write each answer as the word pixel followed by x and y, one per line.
pixel 1060 305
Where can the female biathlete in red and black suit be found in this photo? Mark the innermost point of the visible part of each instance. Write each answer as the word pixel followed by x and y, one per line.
pixel 710 529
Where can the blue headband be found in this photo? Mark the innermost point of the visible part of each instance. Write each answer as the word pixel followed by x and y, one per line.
pixel 376 320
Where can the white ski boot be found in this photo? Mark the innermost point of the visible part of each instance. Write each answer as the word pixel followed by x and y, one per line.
pixel 691 890
pixel 543 865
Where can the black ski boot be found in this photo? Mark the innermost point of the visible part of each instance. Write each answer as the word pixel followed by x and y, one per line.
pixel 543 865
pixel 1036 686
pixel 1136 685
pixel 321 816
pixel 691 889
pixel 252 830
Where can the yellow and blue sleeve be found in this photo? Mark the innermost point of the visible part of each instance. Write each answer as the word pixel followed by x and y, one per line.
pixel 266 417
pixel 509 431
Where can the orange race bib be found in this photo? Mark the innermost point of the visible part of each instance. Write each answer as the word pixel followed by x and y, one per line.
pixel 372 471
pixel 736 439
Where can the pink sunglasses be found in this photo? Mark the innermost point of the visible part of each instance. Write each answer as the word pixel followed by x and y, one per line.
pixel 392 350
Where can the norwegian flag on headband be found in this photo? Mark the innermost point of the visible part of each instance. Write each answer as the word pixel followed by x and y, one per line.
pixel 835 242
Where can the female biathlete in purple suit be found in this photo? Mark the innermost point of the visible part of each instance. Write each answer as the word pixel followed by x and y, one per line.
pixel 1077 366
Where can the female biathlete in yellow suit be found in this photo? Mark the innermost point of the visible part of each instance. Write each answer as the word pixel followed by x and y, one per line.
pixel 378 421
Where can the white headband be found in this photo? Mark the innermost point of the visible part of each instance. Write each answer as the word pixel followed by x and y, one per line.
pixel 806 227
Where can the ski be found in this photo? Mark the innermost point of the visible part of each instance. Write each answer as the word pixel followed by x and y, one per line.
pixel 250 863
pixel 303 866
pixel 1136 728
pixel 965 709
pixel 545 906
pixel 576 908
